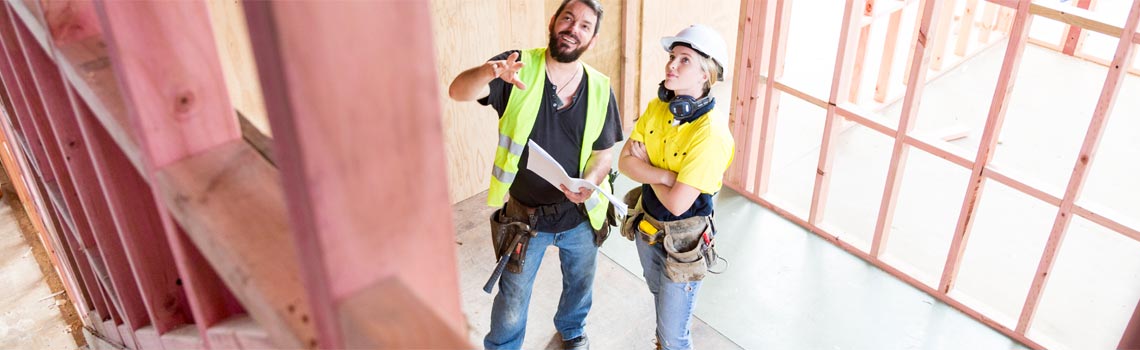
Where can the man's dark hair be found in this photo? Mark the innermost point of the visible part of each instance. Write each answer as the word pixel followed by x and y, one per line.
pixel 592 4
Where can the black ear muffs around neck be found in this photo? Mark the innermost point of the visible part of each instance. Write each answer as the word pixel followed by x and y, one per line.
pixel 684 108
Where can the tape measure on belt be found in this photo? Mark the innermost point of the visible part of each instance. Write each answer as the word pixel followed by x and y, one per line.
pixel 646 227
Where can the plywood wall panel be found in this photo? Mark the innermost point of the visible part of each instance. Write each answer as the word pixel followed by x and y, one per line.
pixel 232 38
pixel 467 33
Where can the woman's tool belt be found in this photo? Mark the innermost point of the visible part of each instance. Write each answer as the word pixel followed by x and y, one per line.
pixel 688 243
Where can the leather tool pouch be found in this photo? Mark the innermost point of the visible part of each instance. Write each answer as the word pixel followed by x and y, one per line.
pixel 686 248
pixel 512 219
pixel 601 234
pixel 629 223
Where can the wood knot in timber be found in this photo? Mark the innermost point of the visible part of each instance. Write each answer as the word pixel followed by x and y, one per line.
pixel 183 104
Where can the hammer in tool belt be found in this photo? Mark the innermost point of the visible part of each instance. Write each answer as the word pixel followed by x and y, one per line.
pixel 515 230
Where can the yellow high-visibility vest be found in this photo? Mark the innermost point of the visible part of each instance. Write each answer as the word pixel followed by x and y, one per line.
pixel 518 120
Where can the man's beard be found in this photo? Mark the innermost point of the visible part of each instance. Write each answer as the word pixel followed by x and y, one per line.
pixel 564 56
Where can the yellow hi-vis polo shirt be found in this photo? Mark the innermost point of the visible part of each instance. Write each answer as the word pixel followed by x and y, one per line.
pixel 699 151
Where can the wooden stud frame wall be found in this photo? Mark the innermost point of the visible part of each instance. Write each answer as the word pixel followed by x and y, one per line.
pixel 100 236
pixel 171 231
pixel 18 109
pixel 1080 19
pixel 758 87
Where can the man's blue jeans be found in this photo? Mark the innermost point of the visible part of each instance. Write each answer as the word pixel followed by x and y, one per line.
pixel 674 302
pixel 579 258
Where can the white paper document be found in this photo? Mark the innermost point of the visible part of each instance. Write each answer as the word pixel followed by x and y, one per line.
pixel 544 165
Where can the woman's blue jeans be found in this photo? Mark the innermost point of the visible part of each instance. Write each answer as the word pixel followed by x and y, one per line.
pixel 674 302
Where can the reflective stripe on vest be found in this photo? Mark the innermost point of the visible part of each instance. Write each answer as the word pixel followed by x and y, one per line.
pixel 518 120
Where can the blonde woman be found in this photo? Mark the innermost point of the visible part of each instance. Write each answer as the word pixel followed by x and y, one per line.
pixel 679 150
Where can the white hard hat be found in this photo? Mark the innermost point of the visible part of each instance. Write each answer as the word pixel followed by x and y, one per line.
pixel 703 39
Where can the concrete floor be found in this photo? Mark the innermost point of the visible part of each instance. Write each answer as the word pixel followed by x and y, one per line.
pixel 1097 272
pixel 29 314
pixel 785 288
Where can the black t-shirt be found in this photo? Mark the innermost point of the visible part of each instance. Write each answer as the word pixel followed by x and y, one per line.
pixel 559 132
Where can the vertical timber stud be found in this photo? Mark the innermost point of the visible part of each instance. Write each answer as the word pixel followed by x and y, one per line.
pixel 51 105
pixel 866 21
pixel 16 163
pixel 941 35
pixel 916 82
pixel 66 153
pixel 965 27
pixel 115 274
pixel 21 91
pixel 989 16
pixel 1112 83
pixel 986 146
pixel 774 47
pixel 1131 337
pixel 759 49
pixel 910 52
pixel 749 64
pixel 1005 16
pixel 631 50
pixel 163 99
pixel 80 264
pixel 267 52
pixel 175 111
pixel 359 141
pixel 20 94
pixel 886 65
pixel 131 214
pixel 68 248
pixel 1074 36
pixel 121 283
pixel 839 90
pixel 744 72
